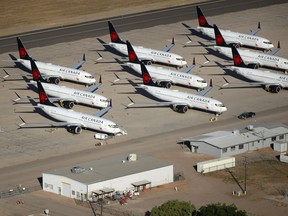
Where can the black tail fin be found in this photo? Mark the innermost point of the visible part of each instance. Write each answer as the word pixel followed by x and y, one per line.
pixel 35 72
pixel 237 59
pixel 114 35
pixel 219 38
pixel 23 54
pixel 201 19
pixel 43 98
pixel 131 54
pixel 147 80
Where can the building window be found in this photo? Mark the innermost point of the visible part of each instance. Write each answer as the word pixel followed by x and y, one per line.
pixel 46 185
pixel 281 137
pixel 73 192
pixel 233 148
pixel 273 138
pixel 224 150
pixel 51 186
pixel 241 146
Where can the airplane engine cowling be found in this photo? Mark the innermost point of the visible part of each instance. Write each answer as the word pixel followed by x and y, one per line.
pixel 75 129
pixel 68 104
pixel 180 108
pixel 55 80
pixel 274 88
pixel 165 84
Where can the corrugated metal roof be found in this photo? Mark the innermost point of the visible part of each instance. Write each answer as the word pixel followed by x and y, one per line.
pixel 110 168
pixel 224 139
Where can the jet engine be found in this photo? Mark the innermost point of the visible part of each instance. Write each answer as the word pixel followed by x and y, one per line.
pixel 74 129
pixel 180 108
pixel 273 88
pixel 67 104
pixel 55 80
pixel 164 84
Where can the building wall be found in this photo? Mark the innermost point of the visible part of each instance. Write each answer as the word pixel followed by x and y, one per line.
pixel 204 148
pixel 157 177
pixel 57 184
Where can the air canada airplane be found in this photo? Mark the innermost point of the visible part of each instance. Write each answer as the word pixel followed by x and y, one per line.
pixel 251 58
pixel 72 120
pixel 66 96
pixel 146 54
pixel 165 77
pixel 54 73
pixel 248 40
pixel 179 101
pixel 272 82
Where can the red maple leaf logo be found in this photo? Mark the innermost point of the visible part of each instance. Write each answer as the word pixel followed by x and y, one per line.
pixel 219 39
pixel 132 56
pixel 146 78
pixel 237 60
pixel 22 52
pixel 114 36
pixel 42 97
pixel 36 74
pixel 202 20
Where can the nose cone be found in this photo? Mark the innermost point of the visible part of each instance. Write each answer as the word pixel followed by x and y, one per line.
pixel 184 63
pixel 224 109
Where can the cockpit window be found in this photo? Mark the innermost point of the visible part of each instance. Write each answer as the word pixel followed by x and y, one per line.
pixel 201 81
pixel 267 42
pixel 113 126
pixel 104 100
pixel 219 105
pixel 89 77
pixel 286 63
pixel 180 59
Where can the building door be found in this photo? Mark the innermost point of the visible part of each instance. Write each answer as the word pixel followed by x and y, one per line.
pixel 66 189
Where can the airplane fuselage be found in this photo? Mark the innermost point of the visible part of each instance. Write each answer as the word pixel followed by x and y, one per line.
pixel 152 55
pixel 262 59
pixel 65 73
pixel 80 119
pixel 184 98
pixel 262 76
pixel 240 38
pixel 173 76
pixel 78 96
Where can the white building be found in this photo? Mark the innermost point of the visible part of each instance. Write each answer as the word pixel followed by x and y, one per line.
pixel 107 175
pixel 237 141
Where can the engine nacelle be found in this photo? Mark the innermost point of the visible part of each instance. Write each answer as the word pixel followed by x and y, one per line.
pixel 75 129
pixel 55 80
pixel 180 108
pixel 67 104
pixel 164 84
pixel 273 88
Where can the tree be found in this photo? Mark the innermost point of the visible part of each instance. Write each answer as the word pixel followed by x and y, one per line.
pixel 220 210
pixel 173 208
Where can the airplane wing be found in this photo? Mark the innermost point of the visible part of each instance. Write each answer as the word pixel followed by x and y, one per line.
pixel 188 69
pixel 103 111
pixel 93 88
pixel 245 84
pixel 205 90
pixel 80 63
pixel 25 124
pixel 156 103
pixel 169 46
pixel 273 52
pixel 256 30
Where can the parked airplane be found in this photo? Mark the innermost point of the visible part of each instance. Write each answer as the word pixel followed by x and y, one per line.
pixel 251 58
pixel 146 54
pixel 179 101
pixel 249 40
pixel 165 77
pixel 72 120
pixel 66 96
pixel 54 73
pixel 272 82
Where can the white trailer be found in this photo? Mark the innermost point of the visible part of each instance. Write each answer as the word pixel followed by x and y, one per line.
pixel 216 164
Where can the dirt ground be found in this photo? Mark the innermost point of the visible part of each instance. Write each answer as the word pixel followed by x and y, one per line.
pixel 17 17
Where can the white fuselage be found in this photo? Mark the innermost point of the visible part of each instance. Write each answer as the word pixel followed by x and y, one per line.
pixel 80 119
pixel 250 57
pixel 174 76
pixel 153 55
pixel 78 96
pixel 262 76
pixel 240 38
pixel 50 70
pixel 192 100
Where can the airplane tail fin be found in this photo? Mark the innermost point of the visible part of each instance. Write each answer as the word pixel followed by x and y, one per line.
pixel 219 37
pixel 35 72
pixel 131 54
pixel 237 59
pixel 201 19
pixel 43 98
pixel 147 80
pixel 23 54
pixel 114 35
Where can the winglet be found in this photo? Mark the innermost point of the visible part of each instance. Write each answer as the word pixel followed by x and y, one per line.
pixel 110 102
pixel 17 99
pixel 6 76
pixel 132 102
pixel 278 46
pixel 173 41
pixel 23 122
pixel 84 57
pixel 211 84
pixel 100 79
pixel 194 61
pixel 259 26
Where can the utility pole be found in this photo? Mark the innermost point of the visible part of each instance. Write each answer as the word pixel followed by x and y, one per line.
pixel 245 175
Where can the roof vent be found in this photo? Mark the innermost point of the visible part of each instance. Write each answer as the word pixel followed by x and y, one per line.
pixel 132 157
pixel 249 127
pixel 236 132
pixel 77 169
